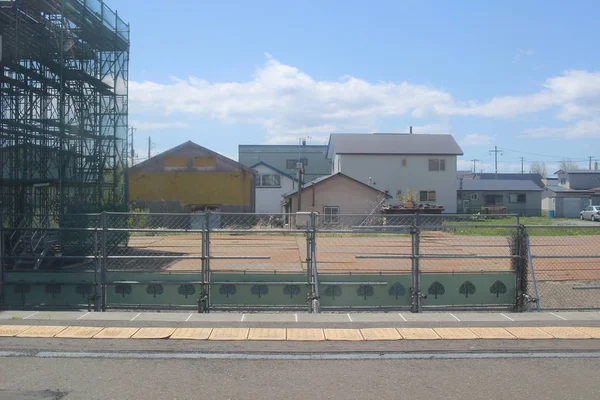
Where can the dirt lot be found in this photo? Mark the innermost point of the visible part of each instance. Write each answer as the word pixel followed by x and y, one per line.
pixel 346 253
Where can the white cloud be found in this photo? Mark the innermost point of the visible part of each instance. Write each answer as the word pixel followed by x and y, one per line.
pixel 523 53
pixel 582 129
pixel 151 126
pixel 476 139
pixel 289 103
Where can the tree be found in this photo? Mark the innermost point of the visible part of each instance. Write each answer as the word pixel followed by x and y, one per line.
pixel 333 291
pixel 365 291
pixel 436 289
pixel 53 289
pixel 84 289
pixel 154 289
pixel 291 290
pixel 467 288
pixel 498 288
pixel 186 290
pixel 22 288
pixel 123 289
pixel 537 167
pixel 397 290
pixel 568 165
pixel 227 289
pixel 259 290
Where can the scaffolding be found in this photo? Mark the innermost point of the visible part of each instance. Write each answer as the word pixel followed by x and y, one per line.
pixel 63 110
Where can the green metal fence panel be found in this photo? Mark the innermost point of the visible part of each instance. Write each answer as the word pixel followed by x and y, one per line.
pixel 258 289
pixel 148 288
pixel 364 290
pixel 48 289
pixel 468 289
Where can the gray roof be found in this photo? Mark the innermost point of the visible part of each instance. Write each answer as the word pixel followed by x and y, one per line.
pixel 490 185
pixel 324 178
pixel 393 143
pixel 578 171
pixel 536 178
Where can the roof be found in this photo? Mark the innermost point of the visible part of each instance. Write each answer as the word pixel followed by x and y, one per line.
pixel 272 168
pixel 191 144
pixel 490 185
pixel 393 143
pixel 325 178
pixel 536 178
pixel 577 171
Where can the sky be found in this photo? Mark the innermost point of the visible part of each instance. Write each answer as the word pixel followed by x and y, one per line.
pixel 520 75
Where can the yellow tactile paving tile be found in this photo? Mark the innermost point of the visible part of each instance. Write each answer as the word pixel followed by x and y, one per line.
pixel 529 333
pixel 79 332
pixel 343 334
pixel 153 333
pixel 455 333
pixel 593 332
pixel 267 334
pixel 565 332
pixel 42 331
pixel 12 330
pixel 305 335
pixel 492 333
pixel 418 333
pixel 229 334
pixel 116 333
pixel 191 333
pixel 380 334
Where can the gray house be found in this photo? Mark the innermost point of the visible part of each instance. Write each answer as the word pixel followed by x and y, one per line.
pixel 499 196
pixel 571 192
pixel 285 158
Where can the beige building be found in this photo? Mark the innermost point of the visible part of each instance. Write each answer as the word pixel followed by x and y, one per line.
pixel 334 195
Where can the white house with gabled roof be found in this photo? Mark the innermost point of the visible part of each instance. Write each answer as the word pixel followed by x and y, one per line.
pixel 396 163
pixel 271 185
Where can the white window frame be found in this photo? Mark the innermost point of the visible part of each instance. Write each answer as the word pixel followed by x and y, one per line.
pixel 430 196
pixel 439 164
pixel 563 181
pixel 261 183
pixel 331 217
pixel 474 196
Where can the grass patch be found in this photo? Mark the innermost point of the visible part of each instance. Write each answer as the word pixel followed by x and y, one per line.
pixel 481 227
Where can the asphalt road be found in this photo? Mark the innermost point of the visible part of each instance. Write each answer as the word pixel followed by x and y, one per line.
pixel 56 378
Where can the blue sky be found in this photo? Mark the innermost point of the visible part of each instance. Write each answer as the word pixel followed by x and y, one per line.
pixel 524 76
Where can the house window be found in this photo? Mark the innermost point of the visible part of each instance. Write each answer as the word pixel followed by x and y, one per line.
pixel 517 198
pixel 332 215
pixel 269 181
pixel 426 196
pixel 563 181
pixel 436 164
pixel 475 196
pixel 494 200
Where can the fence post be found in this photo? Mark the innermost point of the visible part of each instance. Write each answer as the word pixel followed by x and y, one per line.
pixel 309 271
pixel 204 299
pixel 416 281
pixel 1 260
pixel 519 272
pixel 98 298
pixel 103 264
pixel 313 256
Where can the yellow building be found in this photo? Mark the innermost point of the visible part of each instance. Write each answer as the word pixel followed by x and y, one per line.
pixel 191 178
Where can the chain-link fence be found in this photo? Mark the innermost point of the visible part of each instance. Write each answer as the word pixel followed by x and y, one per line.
pixel 565 266
pixel 224 261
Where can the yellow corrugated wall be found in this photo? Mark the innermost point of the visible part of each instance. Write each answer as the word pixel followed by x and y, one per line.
pixel 191 187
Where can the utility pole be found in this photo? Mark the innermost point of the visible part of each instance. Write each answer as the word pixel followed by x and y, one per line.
pixel 596 166
pixel 522 159
pixel 496 151
pixel 475 161
pixel 149 147
pixel 300 173
pixel 132 148
pixel 590 167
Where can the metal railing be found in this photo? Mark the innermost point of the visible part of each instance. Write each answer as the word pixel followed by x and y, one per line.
pixel 214 261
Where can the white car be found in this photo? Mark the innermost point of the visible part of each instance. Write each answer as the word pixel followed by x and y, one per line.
pixel 592 213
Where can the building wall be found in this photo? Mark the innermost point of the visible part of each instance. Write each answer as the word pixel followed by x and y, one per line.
pixel 387 172
pixel 548 200
pixel 277 156
pixel 351 197
pixel 583 181
pixel 531 207
pixel 570 206
pixel 268 199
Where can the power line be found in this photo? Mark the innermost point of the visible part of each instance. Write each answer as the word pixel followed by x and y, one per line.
pixel 542 155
